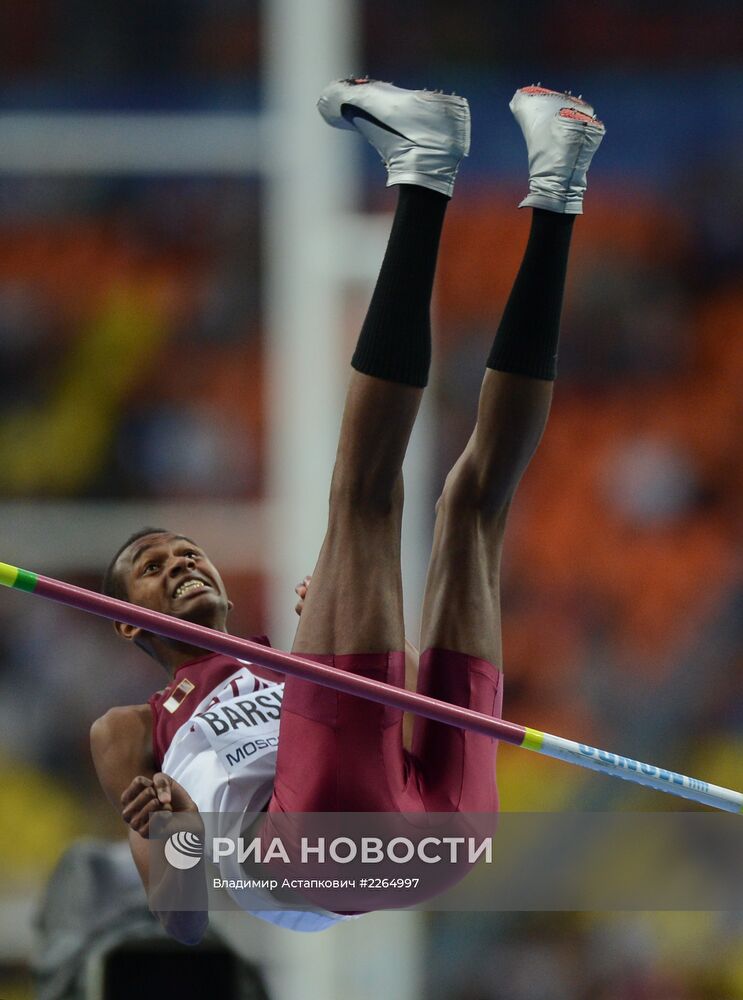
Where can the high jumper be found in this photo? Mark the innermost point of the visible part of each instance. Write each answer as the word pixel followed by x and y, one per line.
pixel 324 748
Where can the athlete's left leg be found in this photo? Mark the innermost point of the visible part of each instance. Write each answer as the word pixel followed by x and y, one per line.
pixel 461 630
pixel 353 617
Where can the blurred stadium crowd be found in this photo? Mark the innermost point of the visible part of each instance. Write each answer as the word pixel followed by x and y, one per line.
pixel 132 365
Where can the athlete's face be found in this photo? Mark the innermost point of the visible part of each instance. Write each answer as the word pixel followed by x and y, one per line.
pixel 171 574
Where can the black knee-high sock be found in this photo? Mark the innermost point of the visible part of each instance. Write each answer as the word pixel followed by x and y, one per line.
pixel 526 341
pixel 395 340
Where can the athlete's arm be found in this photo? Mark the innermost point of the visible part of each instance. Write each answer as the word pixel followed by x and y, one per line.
pixel 121 746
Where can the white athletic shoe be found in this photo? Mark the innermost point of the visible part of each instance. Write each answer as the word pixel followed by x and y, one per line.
pixel 562 134
pixel 421 135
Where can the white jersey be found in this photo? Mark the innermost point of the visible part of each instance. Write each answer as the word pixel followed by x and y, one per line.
pixel 223 753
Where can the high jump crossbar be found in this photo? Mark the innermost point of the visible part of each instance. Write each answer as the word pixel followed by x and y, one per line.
pixel 386 694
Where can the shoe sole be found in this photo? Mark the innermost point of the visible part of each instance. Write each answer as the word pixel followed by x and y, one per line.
pixel 553 104
pixel 537 90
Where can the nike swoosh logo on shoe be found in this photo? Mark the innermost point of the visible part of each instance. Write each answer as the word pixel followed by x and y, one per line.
pixel 350 111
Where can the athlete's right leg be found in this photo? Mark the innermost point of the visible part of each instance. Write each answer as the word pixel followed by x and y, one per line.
pixel 338 752
pixel 461 633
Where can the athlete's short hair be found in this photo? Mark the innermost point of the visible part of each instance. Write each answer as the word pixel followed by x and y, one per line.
pixel 113 585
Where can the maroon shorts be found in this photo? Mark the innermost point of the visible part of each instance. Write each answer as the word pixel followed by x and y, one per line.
pixel 342 753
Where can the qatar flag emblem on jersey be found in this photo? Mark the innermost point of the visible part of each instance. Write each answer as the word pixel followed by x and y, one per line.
pixel 178 695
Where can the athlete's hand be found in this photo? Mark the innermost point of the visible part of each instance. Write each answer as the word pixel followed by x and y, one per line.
pixel 146 796
pixel 301 591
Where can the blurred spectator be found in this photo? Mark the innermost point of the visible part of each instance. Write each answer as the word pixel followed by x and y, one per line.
pixel 182 451
pixel 650 482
